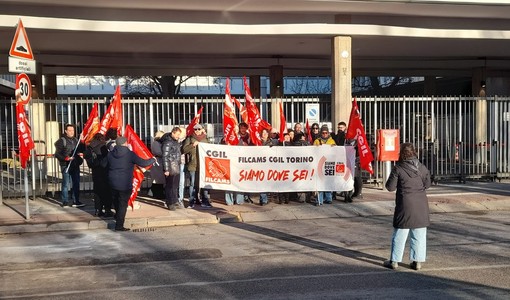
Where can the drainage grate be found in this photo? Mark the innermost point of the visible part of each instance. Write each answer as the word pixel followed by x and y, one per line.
pixel 144 229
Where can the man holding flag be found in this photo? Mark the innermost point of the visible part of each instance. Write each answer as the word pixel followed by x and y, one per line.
pixel 121 165
pixel 67 152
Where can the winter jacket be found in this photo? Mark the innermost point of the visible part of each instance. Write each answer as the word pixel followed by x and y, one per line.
pixel 121 164
pixel 171 154
pixel 321 141
pixel 157 173
pixel 268 142
pixel 64 148
pixel 96 157
pixel 188 148
pixel 410 179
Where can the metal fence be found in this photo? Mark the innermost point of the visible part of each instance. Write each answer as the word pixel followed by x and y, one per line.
pixel 456 137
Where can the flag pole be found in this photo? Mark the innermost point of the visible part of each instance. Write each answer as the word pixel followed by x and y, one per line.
pixel 71 161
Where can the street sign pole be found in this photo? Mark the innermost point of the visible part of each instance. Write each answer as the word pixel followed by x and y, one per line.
pixel 21 60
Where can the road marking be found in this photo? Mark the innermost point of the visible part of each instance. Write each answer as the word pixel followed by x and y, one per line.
pixel 489 189
pixel 453 194
pixel 206 283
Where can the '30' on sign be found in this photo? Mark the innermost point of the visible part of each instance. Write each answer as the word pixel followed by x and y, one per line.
pixel 23 88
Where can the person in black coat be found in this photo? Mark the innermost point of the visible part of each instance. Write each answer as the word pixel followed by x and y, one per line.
pixel 410 179
pixel 96 156
pixel 67 152
pixel 171 166
pixel 121 164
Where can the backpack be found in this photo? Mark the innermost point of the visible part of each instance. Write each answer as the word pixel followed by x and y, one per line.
pixel 91 157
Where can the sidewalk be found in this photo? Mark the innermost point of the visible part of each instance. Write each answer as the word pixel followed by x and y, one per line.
pixel 47 215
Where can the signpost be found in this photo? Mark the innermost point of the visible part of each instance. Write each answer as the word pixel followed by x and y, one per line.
pixel 21 57
pixel 24 87
pixel 21 60
pixel 312 112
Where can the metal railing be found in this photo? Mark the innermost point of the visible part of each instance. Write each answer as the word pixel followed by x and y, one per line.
pixel 458 138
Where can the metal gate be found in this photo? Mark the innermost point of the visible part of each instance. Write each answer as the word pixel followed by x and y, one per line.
pixel 458 138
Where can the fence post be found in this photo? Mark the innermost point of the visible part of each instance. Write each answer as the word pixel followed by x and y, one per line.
pixel 1 173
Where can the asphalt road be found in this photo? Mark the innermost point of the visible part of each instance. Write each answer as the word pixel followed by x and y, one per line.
pixel 338 258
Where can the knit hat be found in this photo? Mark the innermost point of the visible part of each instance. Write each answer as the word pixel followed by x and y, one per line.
pixel 324 128
pixel 120 140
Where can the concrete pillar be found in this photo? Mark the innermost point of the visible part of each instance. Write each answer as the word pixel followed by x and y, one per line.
pixel 276 81
pixel 37 82
pixel 430 86
pixel 50 86
pixel 276 92
pixel 478 82
pixel 341 79
pixel 255 86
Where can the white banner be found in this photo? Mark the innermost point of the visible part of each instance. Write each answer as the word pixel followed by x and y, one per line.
pixel 276 169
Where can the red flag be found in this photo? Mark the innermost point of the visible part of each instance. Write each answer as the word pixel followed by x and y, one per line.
pixel 113 116
pixel 137 182
pixel 229 118
pixel 255 121
pixel 242 110
pixel 136 143
pixel 195 121
pixel 356 131
pixel 309 132
pixel 26 143
pixel 91 127
pixel 283 123
pixel 141 150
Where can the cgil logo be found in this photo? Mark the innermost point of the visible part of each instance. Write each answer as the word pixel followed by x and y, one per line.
pixel 219 154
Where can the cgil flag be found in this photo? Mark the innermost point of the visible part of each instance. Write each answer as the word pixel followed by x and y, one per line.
pixel 113 116
pixel 195 121
pixel 255 121
pixel 308 132
pixel 242 110
pixel 283 123
pixel 91 126
pixel 229 118
pixel 357 131
pixel 141 150
pixel 26 143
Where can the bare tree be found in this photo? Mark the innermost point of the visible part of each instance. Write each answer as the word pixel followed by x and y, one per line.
pixel 161 86
pixel 376 84
pixel 306 85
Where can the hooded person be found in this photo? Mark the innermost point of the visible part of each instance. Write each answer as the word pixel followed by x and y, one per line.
pixel 121 164
pixel 324 137
pixel 410 179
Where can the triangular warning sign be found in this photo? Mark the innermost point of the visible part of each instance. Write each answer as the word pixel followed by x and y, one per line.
pixel 20 45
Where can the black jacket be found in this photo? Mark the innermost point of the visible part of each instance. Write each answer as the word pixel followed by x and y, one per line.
pixel 64 147
pixel 171 154
pixel 121 164
pixel 96 156
pixel 410 179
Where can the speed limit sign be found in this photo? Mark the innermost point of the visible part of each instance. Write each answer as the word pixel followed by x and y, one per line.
pixel 23 88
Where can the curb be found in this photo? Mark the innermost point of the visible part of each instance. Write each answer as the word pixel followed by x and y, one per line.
pixel 346 210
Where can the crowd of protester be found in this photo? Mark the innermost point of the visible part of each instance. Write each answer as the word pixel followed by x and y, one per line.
pixel 188 182
pixel 176 168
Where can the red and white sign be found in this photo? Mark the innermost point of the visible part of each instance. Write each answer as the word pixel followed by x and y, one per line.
pixel 23 88
pixel 258 169
pixel 20 45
